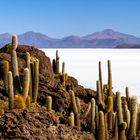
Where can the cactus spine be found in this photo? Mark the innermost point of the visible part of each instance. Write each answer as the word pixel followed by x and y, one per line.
pixel 26 83
pixel 16 79
pixel 10 90
pixel 133 121
pixel 49 103
pixel 5 74
pixel 101 126
pixel 36 80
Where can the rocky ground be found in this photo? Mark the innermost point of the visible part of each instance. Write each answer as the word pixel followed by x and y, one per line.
pixel 37 123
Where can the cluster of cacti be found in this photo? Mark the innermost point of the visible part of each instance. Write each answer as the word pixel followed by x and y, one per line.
pixel 112 117
pixel 55 65
pixel 20 96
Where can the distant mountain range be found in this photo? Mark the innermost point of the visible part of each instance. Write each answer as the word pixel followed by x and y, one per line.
pixel 103 39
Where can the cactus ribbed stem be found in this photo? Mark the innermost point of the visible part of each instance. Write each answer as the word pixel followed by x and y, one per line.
pixel 10 90
pixel 5 74
pixel 99 94
pixel 93 106
pixel 133 121
pixel 14 61
pixel 63 67
pixel 57 62
pixel 109 77
pixel 49 103
pixel 127 94
pixel 101 126
pixel 78 104
pixel 28 102
pixel 71 119
pixel 26 83
pixel 36 80
pixel 87 111
pixel 100 78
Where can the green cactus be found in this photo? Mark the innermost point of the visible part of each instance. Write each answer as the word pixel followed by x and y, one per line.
pixel 121 124
pixel 10 90
pixel 109 105
pixel 36 80
pixel 93 114
pixel 87 111
pixel 5 74
pixel 26 83
pixel 57 62
pixel 49 103
pixel 133 121
pixel 54 65
pixel 14 61
pixel 100 79
pixel 101 126
pixel 28 65
pixel 63 67
pixel 109 77
pixel 99 94
pixel 78 104
pixel 75 110
pixel 71 119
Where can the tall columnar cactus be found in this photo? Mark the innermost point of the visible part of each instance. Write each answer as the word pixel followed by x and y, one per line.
pixel 101 126
pixel 126 116
pixel 109 77
pixel 63 67
pixel 49 103
pixel 78 104
pixel 28 102
pixel 133 120
pixel 121 124
pixel 57 62
pixel 54 65
pixel 109 104
pixel 87 111
pixel 10 90
pixel 71 119
pixel 115 128
pixel 100 78
pixel 127 94
pixel 99 94
pixel 28 65
pixel 17 85
pixel 26 83
pixel 5 73
pixel 93 106
pixel 36 80
pixel 75 110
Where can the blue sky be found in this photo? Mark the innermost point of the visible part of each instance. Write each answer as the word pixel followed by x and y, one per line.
pixel 59 18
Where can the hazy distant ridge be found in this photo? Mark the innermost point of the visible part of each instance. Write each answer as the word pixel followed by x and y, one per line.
pixel 103 39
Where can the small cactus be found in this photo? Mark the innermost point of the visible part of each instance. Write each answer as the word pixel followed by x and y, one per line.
pixel 10 90
pixel 49 103
pixel 26 83
pixel 71 119
pixel 101 126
